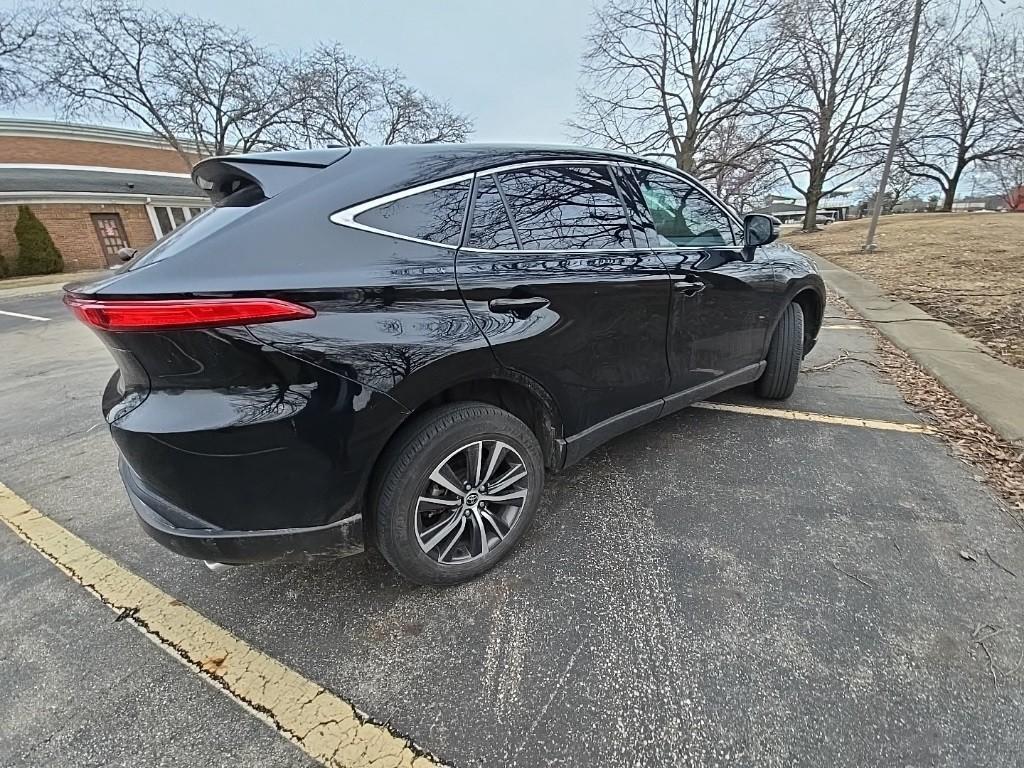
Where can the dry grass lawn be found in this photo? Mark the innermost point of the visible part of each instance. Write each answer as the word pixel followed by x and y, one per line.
pixel 965 269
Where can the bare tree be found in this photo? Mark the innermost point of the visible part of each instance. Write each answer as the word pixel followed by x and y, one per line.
pixel 231 95
pixel 900 187
pixel 209 90
pixel 19 40
pixel 105 60
pixel 682 79
pixel 837 95
pixel 203 88
pixel 353 102
pixel 412 117
pixel 957 116
pixel 1008 175
pixel 741 185
pixel 343 103
pixel 1011 83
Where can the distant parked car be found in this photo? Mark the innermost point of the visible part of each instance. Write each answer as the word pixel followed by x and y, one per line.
pixel 396 344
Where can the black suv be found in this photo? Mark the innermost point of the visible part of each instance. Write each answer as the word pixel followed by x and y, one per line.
pixel 396 343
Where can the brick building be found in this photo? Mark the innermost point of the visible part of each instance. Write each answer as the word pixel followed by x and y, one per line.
pixel 96 189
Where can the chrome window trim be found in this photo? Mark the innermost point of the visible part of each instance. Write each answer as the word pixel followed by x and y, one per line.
pixel 346 217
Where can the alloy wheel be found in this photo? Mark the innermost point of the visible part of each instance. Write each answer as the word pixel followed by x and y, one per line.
pixel 471 502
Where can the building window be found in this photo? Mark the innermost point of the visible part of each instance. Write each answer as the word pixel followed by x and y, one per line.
pixel 110 231
pixel 166 218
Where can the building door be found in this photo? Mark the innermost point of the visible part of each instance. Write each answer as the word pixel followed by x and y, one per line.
pixel 110 231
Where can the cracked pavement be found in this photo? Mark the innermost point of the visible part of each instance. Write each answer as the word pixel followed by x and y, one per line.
pixel 717 588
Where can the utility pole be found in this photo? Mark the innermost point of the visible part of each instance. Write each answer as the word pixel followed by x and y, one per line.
pixel 870 244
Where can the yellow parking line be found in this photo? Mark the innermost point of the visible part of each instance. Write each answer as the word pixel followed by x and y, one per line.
pixel 822 418
pixel 325 726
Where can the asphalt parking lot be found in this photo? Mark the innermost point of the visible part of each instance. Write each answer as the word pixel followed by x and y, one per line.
pixel 719 588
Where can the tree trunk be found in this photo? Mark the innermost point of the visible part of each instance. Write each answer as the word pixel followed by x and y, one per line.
pixel 812 197
pixel 947 199
pixel 949 193
pixel 684 158
pixel 811 215
pixel 949 189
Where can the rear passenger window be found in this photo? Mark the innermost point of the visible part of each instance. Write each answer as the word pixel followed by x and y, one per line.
pixel 491 228
pixel 566 208
pixel 435 215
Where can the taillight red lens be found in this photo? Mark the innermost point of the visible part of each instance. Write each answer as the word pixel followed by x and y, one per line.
pixel 181 314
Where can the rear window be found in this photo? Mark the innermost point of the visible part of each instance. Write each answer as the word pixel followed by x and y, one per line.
pixel 566 208
pixel 435 215
pixel 189 233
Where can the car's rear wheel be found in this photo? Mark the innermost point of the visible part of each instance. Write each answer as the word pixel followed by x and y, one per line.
pixel 456 490
pixel 784 355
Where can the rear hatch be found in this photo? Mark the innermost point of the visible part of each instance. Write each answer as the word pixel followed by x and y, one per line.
pixel 237 185
pixel 200 410
pixel 154 314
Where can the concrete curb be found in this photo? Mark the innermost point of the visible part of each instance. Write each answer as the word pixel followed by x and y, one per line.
pixel 30 286
pixel 990 388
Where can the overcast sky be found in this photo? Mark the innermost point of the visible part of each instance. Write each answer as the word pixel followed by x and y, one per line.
pixel 511 65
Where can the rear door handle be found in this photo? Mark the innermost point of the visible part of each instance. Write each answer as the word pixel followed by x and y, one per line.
pixel 689 287
pixel 518 307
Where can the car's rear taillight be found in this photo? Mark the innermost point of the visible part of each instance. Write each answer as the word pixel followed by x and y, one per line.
pixel 182 314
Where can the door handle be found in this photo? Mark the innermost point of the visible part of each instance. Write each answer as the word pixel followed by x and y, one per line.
pixel 519 307
pixel 689 287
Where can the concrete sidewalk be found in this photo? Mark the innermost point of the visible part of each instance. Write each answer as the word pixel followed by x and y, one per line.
pixel 989 387
pixel 35 284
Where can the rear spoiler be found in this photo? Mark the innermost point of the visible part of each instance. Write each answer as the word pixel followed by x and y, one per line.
pixel 264 174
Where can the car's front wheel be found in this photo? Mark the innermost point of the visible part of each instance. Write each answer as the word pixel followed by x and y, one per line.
pixel 784 355
pixel 456 490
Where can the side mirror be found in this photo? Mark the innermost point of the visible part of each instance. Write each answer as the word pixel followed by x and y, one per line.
pixel 758 229
pixel 127 254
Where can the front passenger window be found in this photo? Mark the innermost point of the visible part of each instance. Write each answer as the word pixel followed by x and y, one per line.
pixel 683 215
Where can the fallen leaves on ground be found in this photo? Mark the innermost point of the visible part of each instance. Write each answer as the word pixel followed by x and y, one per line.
pixel 965 269
pixel 970 439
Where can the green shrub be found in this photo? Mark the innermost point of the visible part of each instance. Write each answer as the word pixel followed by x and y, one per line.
pixel 37 255
pixel 4 271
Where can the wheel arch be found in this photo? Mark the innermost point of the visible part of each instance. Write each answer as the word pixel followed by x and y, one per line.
pixel 516 393
pixel 812 304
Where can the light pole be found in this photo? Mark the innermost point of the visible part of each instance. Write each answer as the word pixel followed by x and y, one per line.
pixel 870 244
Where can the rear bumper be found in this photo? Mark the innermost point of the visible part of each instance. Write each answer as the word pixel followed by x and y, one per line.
pixel 190 536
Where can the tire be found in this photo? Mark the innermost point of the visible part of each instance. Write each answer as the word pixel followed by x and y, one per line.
pixel 784 355
pixel 412 510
